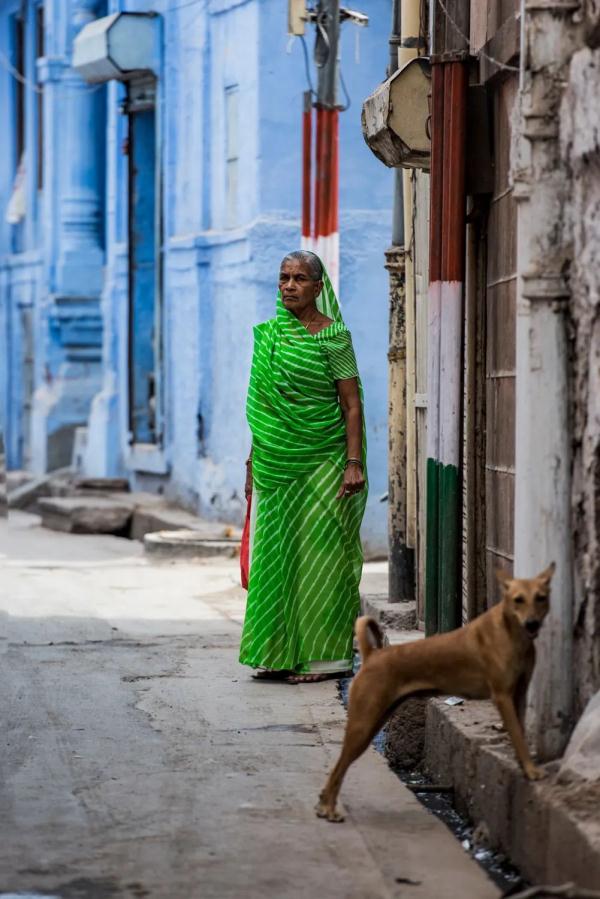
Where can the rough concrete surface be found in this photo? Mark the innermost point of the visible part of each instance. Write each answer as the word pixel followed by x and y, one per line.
pixel 140 759
pixel 580 144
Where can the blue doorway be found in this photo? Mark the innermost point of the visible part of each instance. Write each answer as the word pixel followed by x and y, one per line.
pixel 145 243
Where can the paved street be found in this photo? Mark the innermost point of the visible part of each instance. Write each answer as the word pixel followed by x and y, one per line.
pixel 139 758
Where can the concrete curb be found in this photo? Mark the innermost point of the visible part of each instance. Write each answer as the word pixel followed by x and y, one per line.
pixel 549 829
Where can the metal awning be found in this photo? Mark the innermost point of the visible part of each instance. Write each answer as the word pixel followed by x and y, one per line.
pixel 119 46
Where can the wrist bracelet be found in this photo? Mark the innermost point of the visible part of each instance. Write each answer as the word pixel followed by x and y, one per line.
pixel 353 462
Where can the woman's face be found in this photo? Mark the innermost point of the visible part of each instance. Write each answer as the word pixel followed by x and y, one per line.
pixel 298 290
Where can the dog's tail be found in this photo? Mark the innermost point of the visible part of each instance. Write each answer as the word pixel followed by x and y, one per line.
pixel 369 636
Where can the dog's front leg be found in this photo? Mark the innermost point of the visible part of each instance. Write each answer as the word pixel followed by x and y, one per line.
pixel 520 694
pixel 506 707
pixel 520 699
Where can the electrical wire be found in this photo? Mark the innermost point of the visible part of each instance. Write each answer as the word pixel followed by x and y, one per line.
pixel 307 65
pixel 345 89
pixel 6 64
pixel 480 52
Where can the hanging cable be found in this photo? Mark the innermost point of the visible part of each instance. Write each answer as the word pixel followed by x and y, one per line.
pixel 307 65
pixel 481 52
pixel 6 64
pixel 346 94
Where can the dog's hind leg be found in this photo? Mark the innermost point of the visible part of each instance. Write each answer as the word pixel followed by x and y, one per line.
pixel 356 739
pixel 367 713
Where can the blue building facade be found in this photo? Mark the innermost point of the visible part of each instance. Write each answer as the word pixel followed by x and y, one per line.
pixel 142 227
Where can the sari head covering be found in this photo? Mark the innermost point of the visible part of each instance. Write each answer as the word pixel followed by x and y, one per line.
pixel 293 408
pixel 306 556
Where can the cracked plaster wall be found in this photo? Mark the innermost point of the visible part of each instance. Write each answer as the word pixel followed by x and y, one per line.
pixel 580 148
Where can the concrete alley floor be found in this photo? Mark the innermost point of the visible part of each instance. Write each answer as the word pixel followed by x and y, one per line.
pixel 140 759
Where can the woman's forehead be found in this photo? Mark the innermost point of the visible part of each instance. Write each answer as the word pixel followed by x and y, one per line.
pixel 291 266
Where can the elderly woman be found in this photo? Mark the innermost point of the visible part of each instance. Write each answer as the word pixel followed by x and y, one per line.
pixel 306 474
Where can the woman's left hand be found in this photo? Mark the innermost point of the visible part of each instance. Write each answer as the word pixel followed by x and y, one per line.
pixel 353 481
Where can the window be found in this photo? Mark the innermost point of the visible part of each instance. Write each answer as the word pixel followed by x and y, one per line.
pixel 231 155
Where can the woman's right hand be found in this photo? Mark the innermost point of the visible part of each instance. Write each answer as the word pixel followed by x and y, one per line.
pixel 248 485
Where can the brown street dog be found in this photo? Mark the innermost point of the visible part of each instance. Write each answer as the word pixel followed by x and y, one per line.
pixel 492 656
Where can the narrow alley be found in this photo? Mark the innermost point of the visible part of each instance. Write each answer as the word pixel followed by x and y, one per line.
pixel 140 759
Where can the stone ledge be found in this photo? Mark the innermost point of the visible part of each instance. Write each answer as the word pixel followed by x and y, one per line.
pixel 24 492
pixel 90 515
pixel 396 616
pixel 550 830
pixel 188 545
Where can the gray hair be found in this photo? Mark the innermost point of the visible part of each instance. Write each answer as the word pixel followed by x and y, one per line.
pixel 310 260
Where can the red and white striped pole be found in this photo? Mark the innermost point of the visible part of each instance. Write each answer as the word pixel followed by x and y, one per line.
pixel 307 171
pixel 323 237
pixel 326 237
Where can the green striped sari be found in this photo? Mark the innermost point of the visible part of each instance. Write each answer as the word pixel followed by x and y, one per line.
pixel 306 555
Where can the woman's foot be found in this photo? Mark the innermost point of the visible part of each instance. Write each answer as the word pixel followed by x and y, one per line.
pixel 271 674
pixel 316 678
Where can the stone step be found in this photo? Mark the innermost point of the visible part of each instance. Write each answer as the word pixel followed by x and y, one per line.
pixel 149 517
pixel 25 493
pixel 189 545
pixel 85 515
pixel 17 477
pixel 390 615
pixel 103 485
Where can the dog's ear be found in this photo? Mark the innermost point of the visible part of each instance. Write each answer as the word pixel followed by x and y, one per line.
pixel 546 576
pixel 503 577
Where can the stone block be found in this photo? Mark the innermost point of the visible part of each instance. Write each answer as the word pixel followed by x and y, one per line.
pixel 85 515
pixel 149 517
pixel 394 615
pixel 188 545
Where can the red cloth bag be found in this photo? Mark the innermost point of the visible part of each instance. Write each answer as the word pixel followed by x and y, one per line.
pixel 245 548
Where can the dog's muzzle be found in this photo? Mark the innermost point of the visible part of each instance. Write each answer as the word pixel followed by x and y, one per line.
pixel 532 628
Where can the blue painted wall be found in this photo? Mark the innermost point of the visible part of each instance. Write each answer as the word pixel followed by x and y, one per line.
pixel 220 256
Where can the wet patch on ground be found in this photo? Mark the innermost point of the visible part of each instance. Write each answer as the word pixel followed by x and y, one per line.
pixel 294 728
pixel 85 888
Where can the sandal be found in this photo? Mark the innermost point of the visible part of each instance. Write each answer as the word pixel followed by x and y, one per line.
pixel 271 674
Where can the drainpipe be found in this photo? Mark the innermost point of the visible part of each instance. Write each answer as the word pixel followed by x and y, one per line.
pixel 401 568
pixel 447 269
pixel 409 48
pixel 543 451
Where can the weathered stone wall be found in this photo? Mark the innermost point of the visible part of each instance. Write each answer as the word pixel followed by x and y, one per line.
pixel 580 145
